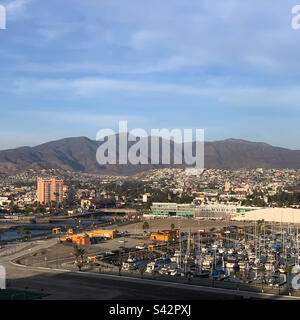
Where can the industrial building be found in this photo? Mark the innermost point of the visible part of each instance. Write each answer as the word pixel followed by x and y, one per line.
pixel 87 238
pixel 199 211
pixel 172 209
pixel 80 239
pixel 165 235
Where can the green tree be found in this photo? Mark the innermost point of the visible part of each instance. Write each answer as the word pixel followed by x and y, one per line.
pixel 146 225
pixel 40 209
pixel 28 210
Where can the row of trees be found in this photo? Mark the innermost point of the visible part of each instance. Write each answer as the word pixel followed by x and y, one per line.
pixel 281 199
pixel 132 190
pixel 286 199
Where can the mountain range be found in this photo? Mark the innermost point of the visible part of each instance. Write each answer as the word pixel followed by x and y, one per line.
pixel 79 154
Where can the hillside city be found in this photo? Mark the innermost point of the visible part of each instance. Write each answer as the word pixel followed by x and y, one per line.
pixel 260 187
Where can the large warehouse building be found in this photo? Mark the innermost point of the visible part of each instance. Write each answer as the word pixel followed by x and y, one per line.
pixel 285 215
pixel 198 211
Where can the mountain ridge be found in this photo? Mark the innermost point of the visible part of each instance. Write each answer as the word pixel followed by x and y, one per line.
pixel 79 154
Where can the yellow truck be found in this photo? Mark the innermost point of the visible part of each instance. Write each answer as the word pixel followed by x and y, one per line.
pixel 91 259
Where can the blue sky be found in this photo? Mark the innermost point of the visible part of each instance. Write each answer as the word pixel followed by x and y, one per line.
pixel 69 68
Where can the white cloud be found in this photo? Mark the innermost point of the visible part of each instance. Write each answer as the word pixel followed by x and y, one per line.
pixel 169 35
pixel 16 8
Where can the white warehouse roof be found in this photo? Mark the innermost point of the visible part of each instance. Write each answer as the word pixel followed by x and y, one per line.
pixel 286 215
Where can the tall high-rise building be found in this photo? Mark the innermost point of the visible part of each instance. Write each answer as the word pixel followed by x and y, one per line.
pixel 49 190
pixel 227 186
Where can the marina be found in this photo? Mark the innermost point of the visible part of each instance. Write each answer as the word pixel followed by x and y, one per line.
pixel 262 255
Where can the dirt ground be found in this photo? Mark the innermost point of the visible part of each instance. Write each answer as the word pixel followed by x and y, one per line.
pixel 185 224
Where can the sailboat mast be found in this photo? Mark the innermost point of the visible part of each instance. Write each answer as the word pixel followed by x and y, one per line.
pixel 179 247
pixel 297 245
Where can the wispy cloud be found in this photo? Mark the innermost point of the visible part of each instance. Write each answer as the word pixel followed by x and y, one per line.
pixel 94 86
pixel 174 63
pixel 94 119
pixel 222 93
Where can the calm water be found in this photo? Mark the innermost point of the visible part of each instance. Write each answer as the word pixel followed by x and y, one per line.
pixel 12 234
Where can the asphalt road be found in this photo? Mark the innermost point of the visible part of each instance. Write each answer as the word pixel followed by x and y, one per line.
pixel 66 286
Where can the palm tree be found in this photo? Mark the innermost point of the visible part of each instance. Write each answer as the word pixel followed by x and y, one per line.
pixel 288 270
pixel 120 269
pixel 260 225
pixel 240 276
pixel 79 253
pixel 20 229
pixel 262 270
pixel 142 271
pixel 26 233
pixel 56 202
